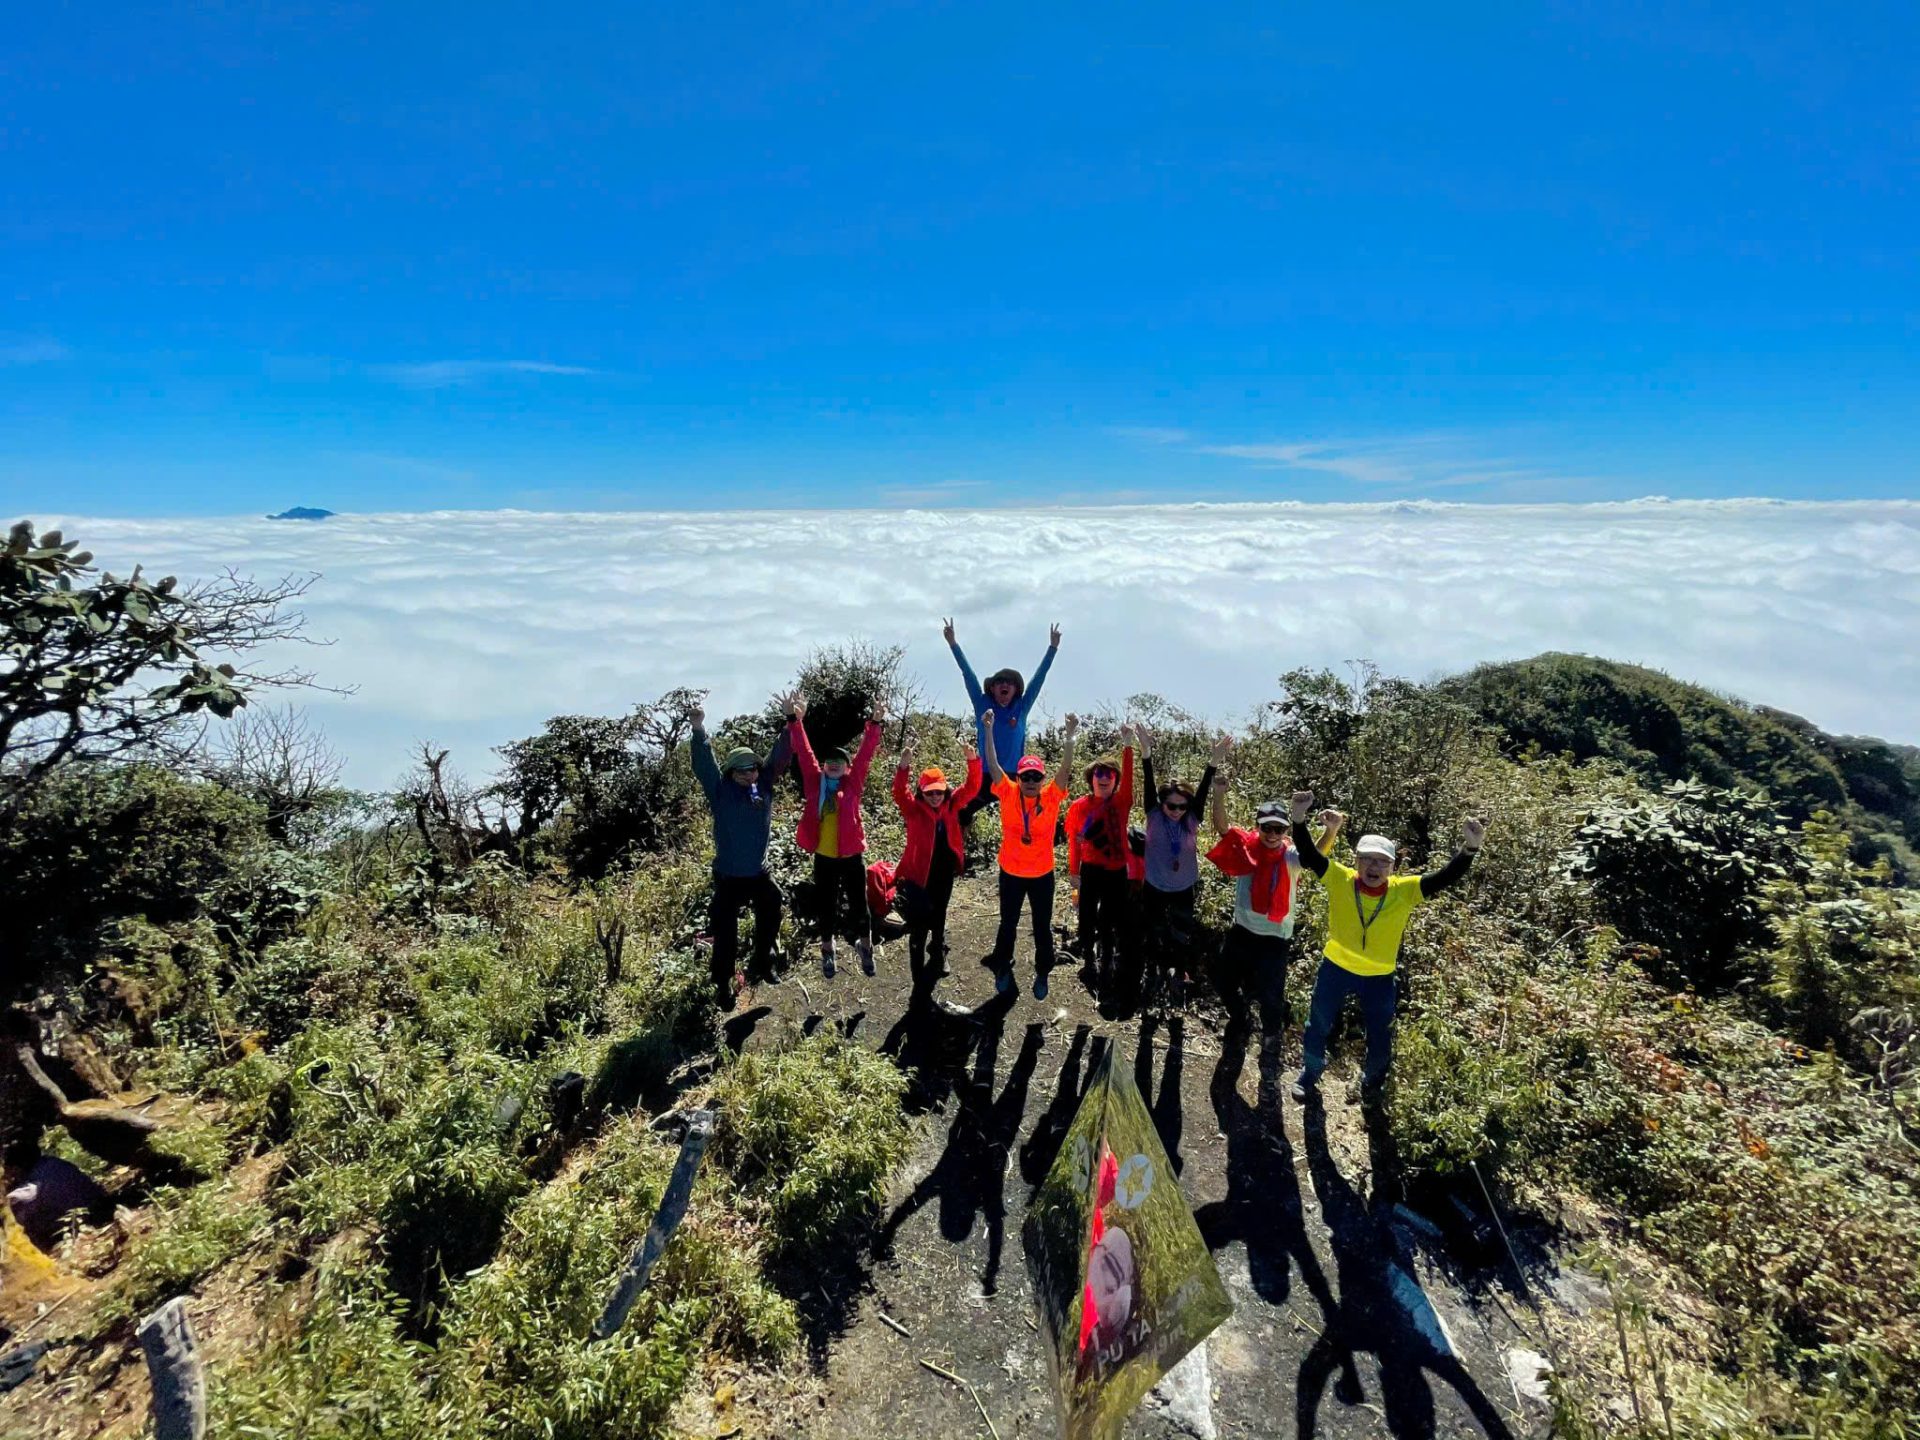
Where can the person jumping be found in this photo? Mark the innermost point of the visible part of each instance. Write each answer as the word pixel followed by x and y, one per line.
pixel 739 792
pixel 1097 860
pixel 1007 698
pixel 1029 810
pixel 831 830
pixel 1173 869
pixel 935 849
pixel 1368 907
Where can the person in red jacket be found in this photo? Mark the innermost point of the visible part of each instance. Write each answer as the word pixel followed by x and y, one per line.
pixel 831 830
pixel 1097 859
pixel 935 849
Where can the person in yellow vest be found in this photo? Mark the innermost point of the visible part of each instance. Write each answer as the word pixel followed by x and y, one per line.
pixel 1368 907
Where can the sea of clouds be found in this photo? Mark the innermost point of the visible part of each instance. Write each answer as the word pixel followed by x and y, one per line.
pixel 469 628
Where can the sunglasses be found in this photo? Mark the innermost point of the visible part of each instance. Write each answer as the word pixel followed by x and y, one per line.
pixel 1031 777
pixel 1174 805
pixel 1101 772
pixel 1271 828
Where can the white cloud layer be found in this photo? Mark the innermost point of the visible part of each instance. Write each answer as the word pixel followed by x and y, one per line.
pixel 470 628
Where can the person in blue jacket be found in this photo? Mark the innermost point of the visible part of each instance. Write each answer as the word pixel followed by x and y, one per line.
pixel 739 791
pixel 1008 699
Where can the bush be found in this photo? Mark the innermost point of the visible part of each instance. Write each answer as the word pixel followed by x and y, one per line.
pixel 98 842
pixel 813 1134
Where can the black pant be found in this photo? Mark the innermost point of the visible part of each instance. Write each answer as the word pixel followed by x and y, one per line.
pixel 731 894
pixel 840 897
pixel 1253 968
pixel 1167 924
pixel 924 908
pixel 1014 891
pixel 1103 903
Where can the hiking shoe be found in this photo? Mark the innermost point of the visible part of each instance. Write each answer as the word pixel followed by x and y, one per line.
pixel 1040 986
pixel 1305 1086
pixel 866 956
pixel 826 961
pixel 1002 982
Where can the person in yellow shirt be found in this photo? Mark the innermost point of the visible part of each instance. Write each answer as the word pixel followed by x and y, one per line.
pixel 1368 907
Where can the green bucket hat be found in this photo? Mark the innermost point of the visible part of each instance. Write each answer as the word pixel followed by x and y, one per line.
pixel 836 752
pixel 740 758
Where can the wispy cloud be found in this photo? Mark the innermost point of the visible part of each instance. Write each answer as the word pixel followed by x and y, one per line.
pixel 1150 434
pixel 438 374
pixel 585 613
pixel 32 352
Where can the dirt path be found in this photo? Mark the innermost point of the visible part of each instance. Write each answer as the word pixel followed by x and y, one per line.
pixel 1349 1319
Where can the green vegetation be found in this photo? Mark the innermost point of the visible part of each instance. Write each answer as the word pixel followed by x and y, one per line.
pixel 417 1049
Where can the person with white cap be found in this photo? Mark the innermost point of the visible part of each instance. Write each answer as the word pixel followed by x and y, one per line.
pixel 1368 907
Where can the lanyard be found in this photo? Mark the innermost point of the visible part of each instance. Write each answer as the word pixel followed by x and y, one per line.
pixel 1366 920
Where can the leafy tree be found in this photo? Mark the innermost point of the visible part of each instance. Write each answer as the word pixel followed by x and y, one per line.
pixel 98 666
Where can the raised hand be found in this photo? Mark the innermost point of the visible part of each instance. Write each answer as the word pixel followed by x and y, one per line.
pixel 1073 724
pixel 1127 733
pixel 1332 821
pixel 1145 738
pixel 1475 832
pixel 986 715
pixel 1302 806
pixel 1053 635
pixel 797 705
pixel 1222 750
pixel 697 717
pixel 969 742
pixel 877 711
pixel 946 629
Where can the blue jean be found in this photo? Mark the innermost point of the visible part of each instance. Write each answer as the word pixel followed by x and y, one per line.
pixel 1377 995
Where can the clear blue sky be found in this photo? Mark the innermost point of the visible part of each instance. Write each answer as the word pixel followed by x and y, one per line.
pixel 597 255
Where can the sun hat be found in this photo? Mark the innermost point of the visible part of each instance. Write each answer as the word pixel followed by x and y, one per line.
pixel 1375 845
pixel 741 758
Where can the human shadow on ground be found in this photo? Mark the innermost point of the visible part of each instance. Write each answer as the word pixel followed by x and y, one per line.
pixel 1163 1102
pixel 1382 1308
pixel 1043 1144
pixel 932 1041
pixel 1262 1208
pixel 969 1178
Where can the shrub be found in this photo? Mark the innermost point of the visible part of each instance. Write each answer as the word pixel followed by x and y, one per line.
pixel 813 1134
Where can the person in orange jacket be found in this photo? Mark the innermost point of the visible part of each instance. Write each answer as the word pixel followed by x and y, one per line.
pixel 934 853
pixel 1030 803
pixel 832 831
pixel 1097 859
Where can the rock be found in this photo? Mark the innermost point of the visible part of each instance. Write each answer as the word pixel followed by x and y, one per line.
pixel 1529 1370
pixel 1185 1394
pixel 53 1190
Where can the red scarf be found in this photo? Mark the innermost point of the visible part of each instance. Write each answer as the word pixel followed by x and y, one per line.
pixel 1271 891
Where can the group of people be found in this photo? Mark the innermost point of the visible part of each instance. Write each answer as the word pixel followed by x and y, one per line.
pixel 1133 887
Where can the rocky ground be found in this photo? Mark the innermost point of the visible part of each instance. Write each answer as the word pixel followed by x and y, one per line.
pixel 1351 1315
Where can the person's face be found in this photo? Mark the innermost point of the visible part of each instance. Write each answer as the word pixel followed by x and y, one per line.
pixel 1003 693
pixel 1373 869
pixel 1174 806
pixel 1031 781
pixel 834 768
pixel 745 777
pixel 1273 836
pixel 935 797
pixel 1103 782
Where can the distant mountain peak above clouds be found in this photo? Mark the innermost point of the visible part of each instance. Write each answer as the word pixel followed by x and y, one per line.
pixel 302 512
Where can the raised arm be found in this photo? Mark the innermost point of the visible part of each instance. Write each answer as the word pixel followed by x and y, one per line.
pixel 992 757
pixel 966 671
pixel 1125 793
pixel 781 755
pixel 1473 834
pixel 1064 777
pixel 1149 797
pixel 1040 671
pixel 902 788
pixel 1222 753
pixel 970 787
pixel 869 742
pixel 802 746
pixel 705 770
pixel 1313 857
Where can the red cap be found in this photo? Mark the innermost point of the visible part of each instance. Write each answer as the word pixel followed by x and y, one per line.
pixel 1030 762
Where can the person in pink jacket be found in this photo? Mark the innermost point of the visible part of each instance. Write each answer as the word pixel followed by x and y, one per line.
pixel 832 831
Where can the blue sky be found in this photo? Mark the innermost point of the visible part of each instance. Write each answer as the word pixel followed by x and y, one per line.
pixel 415 256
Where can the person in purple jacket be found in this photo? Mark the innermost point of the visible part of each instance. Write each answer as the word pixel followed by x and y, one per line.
pixel 1173 813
